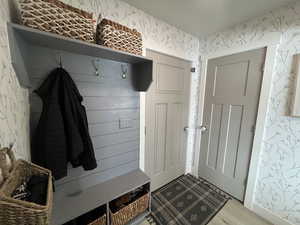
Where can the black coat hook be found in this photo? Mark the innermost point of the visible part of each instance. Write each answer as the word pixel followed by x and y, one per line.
pixel 60 61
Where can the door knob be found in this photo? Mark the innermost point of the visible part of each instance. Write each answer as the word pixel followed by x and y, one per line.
pixel 202 128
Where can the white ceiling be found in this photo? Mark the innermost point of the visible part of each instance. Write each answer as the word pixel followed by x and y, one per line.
pixel 203 17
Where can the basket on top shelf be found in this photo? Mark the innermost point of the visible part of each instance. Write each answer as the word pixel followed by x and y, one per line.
pixel 19 212
pixel 119 37
pixel 59 18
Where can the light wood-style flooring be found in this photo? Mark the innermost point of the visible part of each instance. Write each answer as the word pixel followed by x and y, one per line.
pixel 234 213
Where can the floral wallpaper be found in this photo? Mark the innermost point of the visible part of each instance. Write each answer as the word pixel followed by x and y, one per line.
pixel 278 188
pixel 14 107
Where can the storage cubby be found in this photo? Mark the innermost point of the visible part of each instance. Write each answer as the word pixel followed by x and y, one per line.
pixel 130 206
pixel 97 216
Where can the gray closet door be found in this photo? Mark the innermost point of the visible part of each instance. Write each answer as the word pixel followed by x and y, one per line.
pixel 167 105
pixel 232 93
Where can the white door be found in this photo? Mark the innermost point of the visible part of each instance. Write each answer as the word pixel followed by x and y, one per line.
pixel 167 105
pixel 232 93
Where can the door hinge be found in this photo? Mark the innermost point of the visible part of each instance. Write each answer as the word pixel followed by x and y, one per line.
pixel 145 131
pixel 193 69
pixel 263 68
pixel 253 128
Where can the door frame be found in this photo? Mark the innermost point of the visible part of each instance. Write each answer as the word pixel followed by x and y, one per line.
pixel 143 105
pixel 271 43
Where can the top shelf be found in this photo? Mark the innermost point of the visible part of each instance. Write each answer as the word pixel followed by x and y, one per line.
pixel 54 41
pixel 22 38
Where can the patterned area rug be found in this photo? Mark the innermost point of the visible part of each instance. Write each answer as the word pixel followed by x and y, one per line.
pixel 186 201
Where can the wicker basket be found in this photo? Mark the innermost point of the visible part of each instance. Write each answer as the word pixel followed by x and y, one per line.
pixel 59 18
pixel 100 221
pixel 119 37
pixel 18 212
pixel 129 212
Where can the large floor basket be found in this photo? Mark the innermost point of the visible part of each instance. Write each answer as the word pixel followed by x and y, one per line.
pixel 18 212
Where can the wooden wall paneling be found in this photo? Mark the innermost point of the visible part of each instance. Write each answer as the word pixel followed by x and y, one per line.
pixel 108 101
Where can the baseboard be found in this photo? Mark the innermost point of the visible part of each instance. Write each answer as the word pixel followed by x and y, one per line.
pixel 270 216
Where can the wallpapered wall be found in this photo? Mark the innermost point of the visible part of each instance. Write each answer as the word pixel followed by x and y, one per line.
pixel 279 179
pixel 14 107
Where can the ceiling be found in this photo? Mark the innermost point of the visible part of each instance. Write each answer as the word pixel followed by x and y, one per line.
pixel 203 17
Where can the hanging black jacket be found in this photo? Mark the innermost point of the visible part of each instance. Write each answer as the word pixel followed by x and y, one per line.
pixel 62 133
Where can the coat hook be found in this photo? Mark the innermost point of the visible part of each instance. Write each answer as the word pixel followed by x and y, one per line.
pixel 60 60
pixel 96 64
pixel 124 69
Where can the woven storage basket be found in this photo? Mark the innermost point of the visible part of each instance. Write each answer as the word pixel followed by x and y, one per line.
pixel 59 18
pixel 18 212
pixel 129 212
pixel 119 37
pixel 100 221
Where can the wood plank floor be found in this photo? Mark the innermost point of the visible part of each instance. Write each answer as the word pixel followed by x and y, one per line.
pixel 234 213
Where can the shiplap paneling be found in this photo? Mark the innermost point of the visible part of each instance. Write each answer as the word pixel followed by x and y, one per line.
pixel 108 101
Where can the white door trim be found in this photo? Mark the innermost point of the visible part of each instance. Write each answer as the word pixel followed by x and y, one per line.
pixel 271 42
